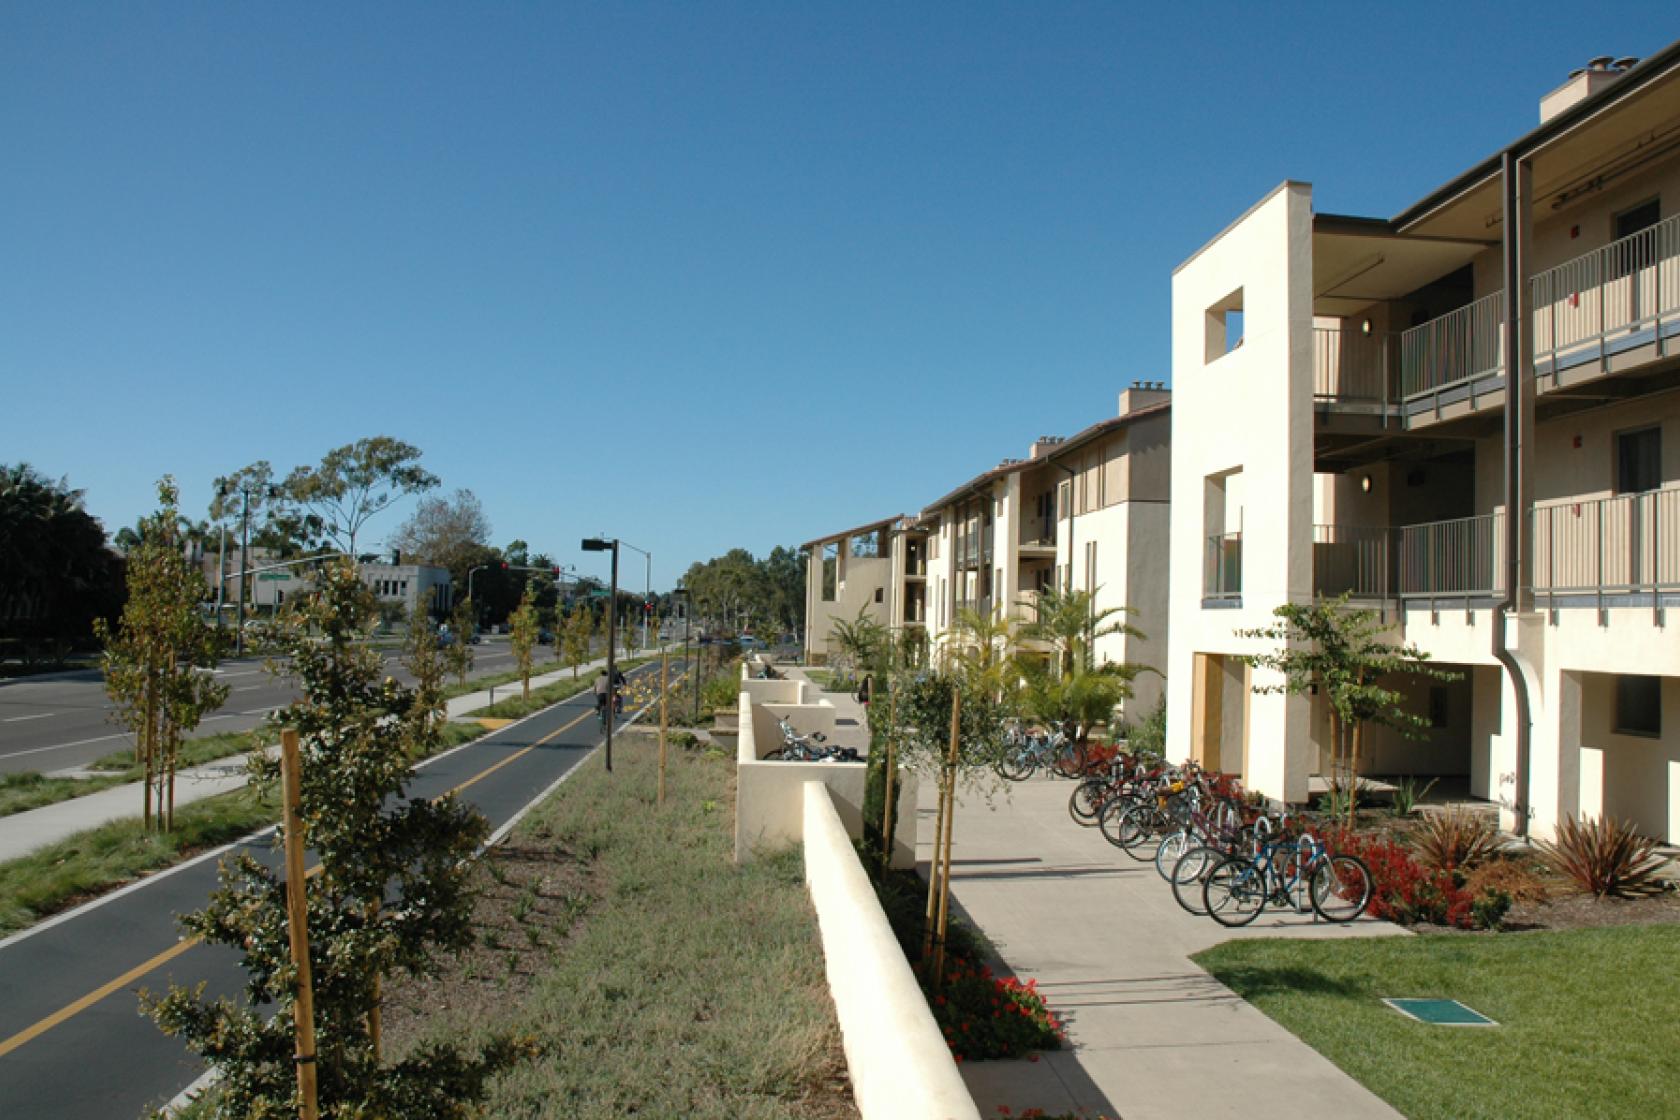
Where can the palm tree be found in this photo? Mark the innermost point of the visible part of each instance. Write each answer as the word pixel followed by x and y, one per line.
pixel 1069 621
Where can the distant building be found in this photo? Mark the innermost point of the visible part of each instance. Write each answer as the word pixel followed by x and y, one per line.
pixel 418 587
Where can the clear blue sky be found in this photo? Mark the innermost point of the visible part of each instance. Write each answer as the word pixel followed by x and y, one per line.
pixel 696 275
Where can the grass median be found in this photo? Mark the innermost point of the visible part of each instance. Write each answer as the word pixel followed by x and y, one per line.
pixel 29 790
pixel 90 863
pixel 517 707
pixel 658 978
pixel 1585 1017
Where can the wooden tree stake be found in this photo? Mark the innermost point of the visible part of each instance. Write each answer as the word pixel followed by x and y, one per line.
pixel 297 926
pixel 892 773
pixel 945 842
pixel 664 716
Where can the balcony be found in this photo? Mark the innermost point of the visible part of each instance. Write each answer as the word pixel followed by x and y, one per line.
pixel 1599 313
pixel 1222 571
pixel 1353 560
pixel 1459 357
pixel 1463 558
pixel 1351 369
pixel 1586 552
pixel 1598 307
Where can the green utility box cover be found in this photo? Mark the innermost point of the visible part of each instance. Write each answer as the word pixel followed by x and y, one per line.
pixel 1440 1012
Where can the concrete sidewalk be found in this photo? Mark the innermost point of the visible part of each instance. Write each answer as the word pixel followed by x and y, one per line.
pixel 1152 1036
pixel 22 833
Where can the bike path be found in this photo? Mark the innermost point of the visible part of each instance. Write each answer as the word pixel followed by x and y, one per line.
pixel 73 1043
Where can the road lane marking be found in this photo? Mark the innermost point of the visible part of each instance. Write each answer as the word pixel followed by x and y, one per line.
pixel 76 1007
pixel 248 688
pixel 20 719
pixel 64 746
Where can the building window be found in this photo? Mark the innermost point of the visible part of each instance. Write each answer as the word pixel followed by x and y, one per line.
pixel 880 597
pixel 1224 326
pixel 1639 706
pixel 830 570
pixel 1437 706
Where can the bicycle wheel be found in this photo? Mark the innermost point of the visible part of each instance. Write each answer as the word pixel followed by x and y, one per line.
pixel 1137 826
pixel 1086 801
pixel 1169 851
pixel 1015 764
pixel 1234 891
pixel 1070 760
pixel 1340 888
pixel 1188 875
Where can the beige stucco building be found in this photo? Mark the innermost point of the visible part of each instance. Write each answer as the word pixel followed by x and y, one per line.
pixel 878 569
pixel 1089 512
pixel 1466 417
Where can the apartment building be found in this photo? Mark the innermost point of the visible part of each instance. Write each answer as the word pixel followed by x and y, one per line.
pixel 1466 417
pixel 1088 512
pixel 878 569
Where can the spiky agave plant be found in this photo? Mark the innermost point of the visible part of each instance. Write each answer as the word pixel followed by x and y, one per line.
pixel 1602 855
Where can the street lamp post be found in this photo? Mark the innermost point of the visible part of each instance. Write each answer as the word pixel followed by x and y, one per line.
pixel 647 585
pixel 602 544
pixel 688 614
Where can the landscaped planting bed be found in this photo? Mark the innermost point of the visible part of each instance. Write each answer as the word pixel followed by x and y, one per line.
pixel 653 976
pixel 1586 1017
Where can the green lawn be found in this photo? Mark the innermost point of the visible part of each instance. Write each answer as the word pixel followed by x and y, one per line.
pixel 1589 1019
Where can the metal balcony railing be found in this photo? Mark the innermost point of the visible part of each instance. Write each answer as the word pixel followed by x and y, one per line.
pixel 1584 307
pixel 1222 569
pixel 1460 348
pixel 1629 543
pixel 1351 367
pixel 1354 560
pixel 1461 558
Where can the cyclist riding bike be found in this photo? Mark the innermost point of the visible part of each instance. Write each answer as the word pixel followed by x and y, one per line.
pixel 603 689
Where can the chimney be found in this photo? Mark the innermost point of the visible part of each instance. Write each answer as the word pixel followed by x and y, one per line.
pixel 1044 445
pixel 1142 394
pixel 1583 83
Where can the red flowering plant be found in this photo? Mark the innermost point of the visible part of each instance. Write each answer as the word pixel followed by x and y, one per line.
pixel 983 1015
pixel 1403 890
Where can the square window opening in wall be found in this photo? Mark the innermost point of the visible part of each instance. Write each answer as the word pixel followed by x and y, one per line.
pixel 1224 322
pixel 1639 706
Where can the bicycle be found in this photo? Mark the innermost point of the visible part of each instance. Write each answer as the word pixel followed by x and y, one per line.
pixel 1023 754
pixel 1238 888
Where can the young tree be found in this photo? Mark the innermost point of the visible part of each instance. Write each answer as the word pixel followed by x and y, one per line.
pixel 355 482
pixel 428 663
pixel 156 656
pixel 524 638
pixel 1341 651
pixel 576 636
pixel 460 651
pixel 391 893
pixel 861 641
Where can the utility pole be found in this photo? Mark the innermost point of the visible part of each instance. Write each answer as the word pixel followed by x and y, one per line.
pixel 647 585
pixel 244 566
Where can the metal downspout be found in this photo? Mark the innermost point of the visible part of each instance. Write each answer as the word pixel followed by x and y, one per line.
pixel 1514 436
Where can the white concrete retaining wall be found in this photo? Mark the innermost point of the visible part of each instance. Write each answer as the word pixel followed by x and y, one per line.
pixel 900 1066
pixel 769 811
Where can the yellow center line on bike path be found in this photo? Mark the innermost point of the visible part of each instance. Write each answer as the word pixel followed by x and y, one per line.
pixel 70 1010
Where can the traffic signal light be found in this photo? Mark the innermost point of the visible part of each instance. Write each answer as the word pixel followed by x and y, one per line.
pixel 504 565
pixel 555 571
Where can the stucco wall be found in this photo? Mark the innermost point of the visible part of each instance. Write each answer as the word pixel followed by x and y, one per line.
pixel 1248 410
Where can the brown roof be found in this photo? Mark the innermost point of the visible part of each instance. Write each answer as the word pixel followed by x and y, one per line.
pixel 873 525
pixel 1010 466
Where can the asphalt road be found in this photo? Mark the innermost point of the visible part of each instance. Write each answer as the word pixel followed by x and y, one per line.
pixel 72 1042
pixel 58 724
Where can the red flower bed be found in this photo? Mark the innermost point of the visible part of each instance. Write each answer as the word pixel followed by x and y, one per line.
pixel 1404 891
pixel 986 1016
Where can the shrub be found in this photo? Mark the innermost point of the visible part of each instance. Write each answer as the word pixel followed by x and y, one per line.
pixel 984 1016
pixel 1511 876
pixel 1408 793
pixel 1604 856
pixel 1455 839
pixel 1489 909
pixel 1403 891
